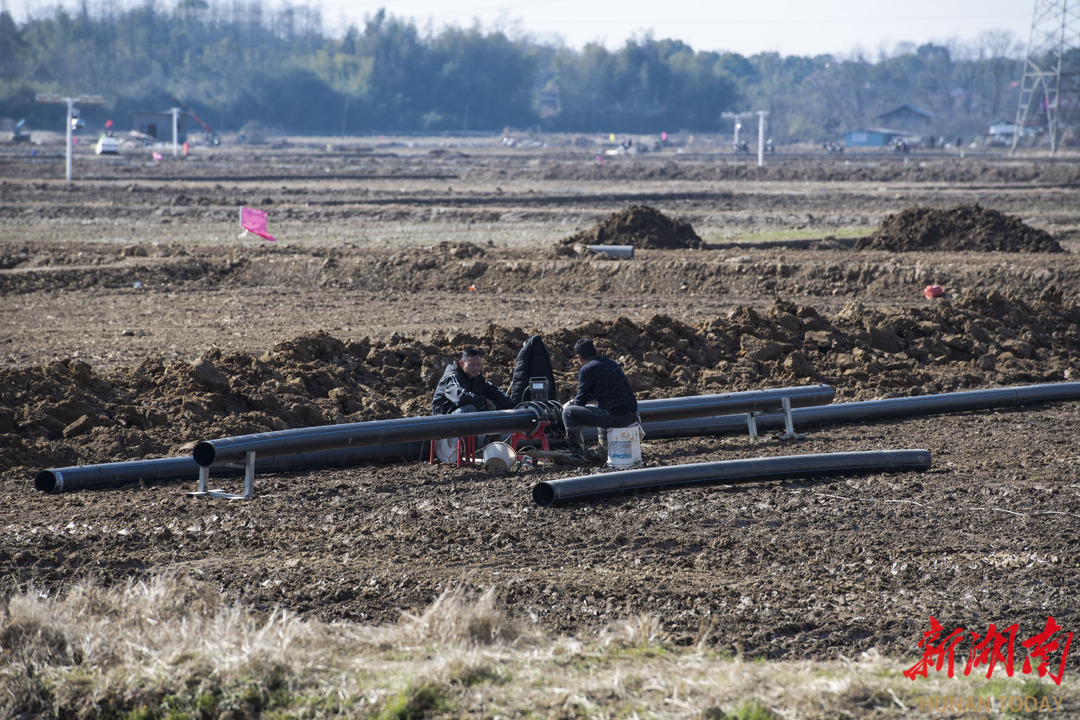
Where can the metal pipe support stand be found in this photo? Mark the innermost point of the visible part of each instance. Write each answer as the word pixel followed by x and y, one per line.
pixel 789 425
pixel 249 481
pixel 466 452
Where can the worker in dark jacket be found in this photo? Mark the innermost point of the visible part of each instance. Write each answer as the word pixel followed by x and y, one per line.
pixel 603 381
pixel 533 361
pixel 463 388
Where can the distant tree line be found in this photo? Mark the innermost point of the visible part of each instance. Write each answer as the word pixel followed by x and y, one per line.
pixel 236 63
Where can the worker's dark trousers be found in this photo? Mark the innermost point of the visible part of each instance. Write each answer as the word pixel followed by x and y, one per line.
pixel 576 417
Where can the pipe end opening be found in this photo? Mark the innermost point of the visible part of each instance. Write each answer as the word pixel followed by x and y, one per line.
pixel 46 481
pixel 543 494
pixel 204 454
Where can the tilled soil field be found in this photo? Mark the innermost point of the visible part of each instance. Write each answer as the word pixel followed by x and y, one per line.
pixel 135 323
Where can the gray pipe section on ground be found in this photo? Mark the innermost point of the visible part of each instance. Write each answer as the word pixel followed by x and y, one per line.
pixel 696 406
pixel 625 252
pixel 375 432
pixel 89 477
pixel 590 487
pixel 871 410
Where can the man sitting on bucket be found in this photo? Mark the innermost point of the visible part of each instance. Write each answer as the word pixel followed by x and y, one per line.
pixel 603 381
pixel 463 388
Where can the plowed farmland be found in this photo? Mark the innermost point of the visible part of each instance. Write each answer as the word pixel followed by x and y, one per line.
pixel 135 321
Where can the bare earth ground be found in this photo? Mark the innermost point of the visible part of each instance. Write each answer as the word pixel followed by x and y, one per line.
pixel 134 322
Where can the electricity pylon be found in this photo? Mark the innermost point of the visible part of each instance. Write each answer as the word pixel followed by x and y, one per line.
pixel 1051 82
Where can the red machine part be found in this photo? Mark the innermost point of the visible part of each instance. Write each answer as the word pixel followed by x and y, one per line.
pixel 540 433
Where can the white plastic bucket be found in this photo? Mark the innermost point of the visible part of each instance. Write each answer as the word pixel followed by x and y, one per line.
pixel 499 458
pixel 446 450
pixel 624 446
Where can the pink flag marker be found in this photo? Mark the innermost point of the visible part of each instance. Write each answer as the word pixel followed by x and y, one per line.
pixel 254 221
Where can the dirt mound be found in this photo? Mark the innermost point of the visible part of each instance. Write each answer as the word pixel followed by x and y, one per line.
pixel 66 413
pixel 640 226
pixel 964 227
pixel 459 250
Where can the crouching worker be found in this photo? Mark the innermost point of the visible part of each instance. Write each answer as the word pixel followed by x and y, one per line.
pixel 603 381
pixel 463 388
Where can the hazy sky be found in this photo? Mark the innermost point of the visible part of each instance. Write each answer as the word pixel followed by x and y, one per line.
pixel 789 27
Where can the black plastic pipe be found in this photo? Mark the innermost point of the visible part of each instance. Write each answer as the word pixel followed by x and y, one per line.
pixel 57 480
pixel 872 410
pixel 89 477
pixel 78 477
pixel 434 427
pixel 696 406
pixel 589 487
pixel 374 432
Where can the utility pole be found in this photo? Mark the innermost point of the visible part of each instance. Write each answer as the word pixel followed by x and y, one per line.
pixel 175 130
pixel 1051 81
pixel 73 121
pixel 761 115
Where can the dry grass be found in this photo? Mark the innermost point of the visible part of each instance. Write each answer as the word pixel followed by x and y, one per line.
pixel 170 648
pixel 453 620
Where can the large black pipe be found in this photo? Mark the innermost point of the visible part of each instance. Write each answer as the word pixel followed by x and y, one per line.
pixel 57 480
pixel 380 432
pixel 87 477
pixel 747 401
pixel 78 477
pixel 374 432
pixel 66 479
pixel 589 487
pixel 872 410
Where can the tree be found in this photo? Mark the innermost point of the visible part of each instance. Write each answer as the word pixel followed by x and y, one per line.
pixel 482 81
pixel 13 48
pixel 648 86
pixel 241 60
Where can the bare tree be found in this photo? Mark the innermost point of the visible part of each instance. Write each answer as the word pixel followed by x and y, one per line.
pixel 998 53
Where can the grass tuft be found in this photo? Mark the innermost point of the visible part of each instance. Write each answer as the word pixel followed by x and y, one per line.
pixel 453 618
pixel 642 631
pixel 415 701
pixel 752 709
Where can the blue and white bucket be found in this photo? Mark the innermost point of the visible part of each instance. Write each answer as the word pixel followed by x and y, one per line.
pixel 624 446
